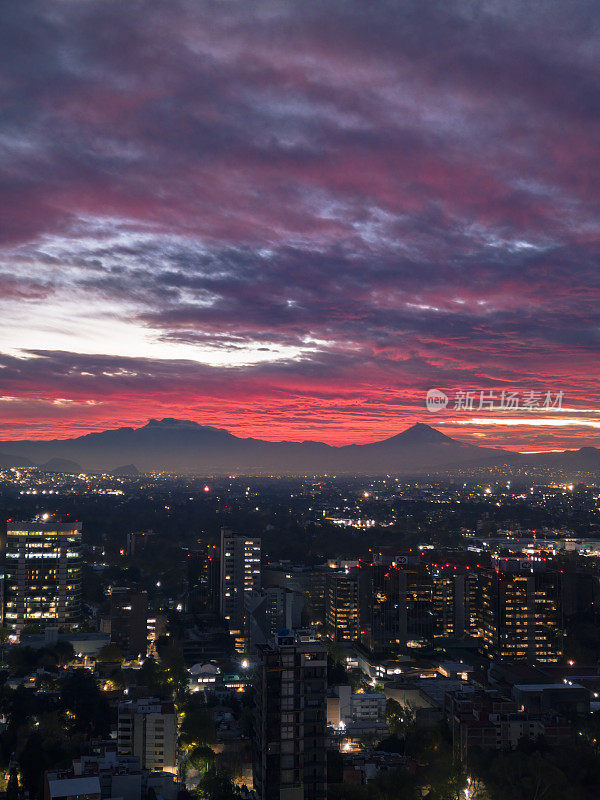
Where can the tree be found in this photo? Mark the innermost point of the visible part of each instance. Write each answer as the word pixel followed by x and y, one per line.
pixel 64 653
pixel 39 754
pixel 400 719
pixel 110 653
pixel 391 744
pixel 336 672
pixel 12 790
pixel 153 676
pixel 198 727
pixel 523 775
pixel 201 757
pixel 343 791
pixel 89 706
pixel 335 652
pixel 171 657
pixel 22 660
pixel 395 784
pixel 217 786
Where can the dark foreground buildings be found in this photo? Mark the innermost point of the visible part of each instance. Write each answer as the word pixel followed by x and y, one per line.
pixel 290 720
pixel 128 621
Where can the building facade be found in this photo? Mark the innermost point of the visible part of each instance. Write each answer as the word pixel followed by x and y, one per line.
pixel 342 608
pixel 204 576
pixel 129 621
pixel 42 575
pixel 485 720
pixel 521 614
pixel 240 574
pixel 289 758
pixel 396 603
pixel 269 611
pixel 455 602
pixel 147 728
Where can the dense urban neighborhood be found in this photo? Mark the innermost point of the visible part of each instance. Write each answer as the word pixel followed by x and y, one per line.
pixel 228 637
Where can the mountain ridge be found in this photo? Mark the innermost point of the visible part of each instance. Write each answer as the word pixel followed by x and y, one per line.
pixel 185 446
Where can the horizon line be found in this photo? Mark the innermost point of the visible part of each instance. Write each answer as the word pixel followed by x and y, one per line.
pixel 149 420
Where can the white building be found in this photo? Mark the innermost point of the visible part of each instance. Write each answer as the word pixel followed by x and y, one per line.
pixel 345 708
pixel 109 776
pixel 368 707
pixel 148 729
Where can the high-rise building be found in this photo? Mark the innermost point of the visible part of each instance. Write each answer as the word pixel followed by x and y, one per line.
pixel 342 609
pixel 43 575
pixel 137 540
pixel 521 614
pixel 269 611
pixel 316 594
pixel 129 621
pixel 311 582
pixel 454 601
pixel 204 576
pixel 240 573
pixel 417 614
pixel 381 607
pixel 396 603
pixel 473 612
pixel 147 728
pixel 289 759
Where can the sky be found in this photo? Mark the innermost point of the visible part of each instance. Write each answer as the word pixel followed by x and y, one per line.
pixel 292 219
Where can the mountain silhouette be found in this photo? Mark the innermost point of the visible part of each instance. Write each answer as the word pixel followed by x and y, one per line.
pixel 58 464
pixel 126 470
pixel 183 446
pixel 7 461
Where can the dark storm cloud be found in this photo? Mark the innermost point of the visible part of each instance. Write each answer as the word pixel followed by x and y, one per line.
pixel 389 194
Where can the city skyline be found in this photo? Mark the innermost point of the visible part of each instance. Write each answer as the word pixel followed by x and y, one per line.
pixel 294 223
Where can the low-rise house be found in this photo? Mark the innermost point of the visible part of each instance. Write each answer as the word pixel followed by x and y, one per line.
pixel 486 720
pixel 106 775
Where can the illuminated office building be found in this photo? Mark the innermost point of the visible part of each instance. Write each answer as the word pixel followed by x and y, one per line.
pixel 342 612
pixel 521 613
pixel 455 602
pixel 240 574
pixel 42 575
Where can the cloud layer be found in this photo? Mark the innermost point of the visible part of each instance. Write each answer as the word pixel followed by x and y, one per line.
pixel 291 219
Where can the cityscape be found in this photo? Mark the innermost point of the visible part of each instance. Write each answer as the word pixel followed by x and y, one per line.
pixel 299 400
pixel 267 637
